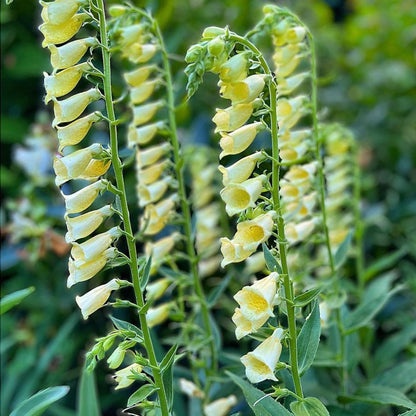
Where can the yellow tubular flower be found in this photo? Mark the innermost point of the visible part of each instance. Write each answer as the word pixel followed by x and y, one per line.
pixel 96 298
pixel 235 69
pixel 142 92
pixel 125 377
pixel 153 192
pixel 59 11
pixel 190 389
pixel 208 266
pixel 286 86
pixel 246 326
pixel 131 34
pixel 95 169
pixel 139 75
pixel 233 117
pixel 74 165
pixel 82 199
pixel 284 70
pixel 220 407
pixel 289 111
pixel 157 289
pixel 261 362
pixel 158 315
pixel 295 34
pixel 256 301
pixel 239 197
pixel 63 82
pixel 84 252
pixel 60 33
pixel 240 139
pixel 144 134
pixel 155 217
pixel 140 54
pixel 293 136
pixel 73 133
pixel 72 107
pixel 303 207
pixel 291 192
pixel 298 232
pixel 160 249
pixel 301 174
pixel 152 173
pixel 70 53
pixel 84 225
pixel 285 54
pixel 143 113
pixel 89 269
pixel 243 91
pixel 289 153
pixel 151 154
pixel 241 170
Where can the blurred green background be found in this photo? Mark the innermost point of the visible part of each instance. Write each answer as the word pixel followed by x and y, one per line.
pixel 366 58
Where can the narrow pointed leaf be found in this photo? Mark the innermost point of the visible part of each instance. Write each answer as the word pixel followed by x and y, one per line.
pixel 342 251
pixel 169 357
pixel 13 299
pixel 145 273
pixel 307 297
pixel 88 403
pixel 139 395
pixel 271 262
pixel 126 326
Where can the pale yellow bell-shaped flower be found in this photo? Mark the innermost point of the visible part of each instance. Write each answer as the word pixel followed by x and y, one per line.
pixel 159 314
pixel 285 54
pixel 249 235
pixel 244 326
pixel 59 11
pixel 142 92
pixel 240 196
pixel 293 137
pixel 92 248
pixel 156 216
pixel 63 82
pixel 256 301
pixel 138 76
pixel 143 113
pixel 72 107
pixel 95 169
pixel 235 69
pixel 157 289
pixel 240 139
pixel 233 117
pixel 144 134
pixel 208 266
pixel 160 249
pixel 116 358
pixel 243 91
pixel 286 86
pixel 90 268
pixel 208 216
pixel 291 153
pixel 220 407
pixel 301 174
pixel 190 389
pixel 289 111
pixel 132 34
pixel 96 298
pixel 85 224
pixel 151 154
pixel 284 70
pixel 148 194
pixel 82 199
pixel 60 33
pixel 140 54
pixel 261 362
pixel 74 165
pixel 295 34
pixel 126 376
pixel 69 54
pixel 152 173
pixel 299 232
pixel 303 207
pixel 255 263
pixel 75 132
pixel 240 170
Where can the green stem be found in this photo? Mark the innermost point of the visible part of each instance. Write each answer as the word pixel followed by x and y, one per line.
pixel 118 171
pixel 287 283
pixel 193 258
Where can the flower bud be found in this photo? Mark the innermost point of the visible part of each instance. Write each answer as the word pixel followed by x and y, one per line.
pixel 116 358
pixel 142 92
pixel 82 199
pixel 157 289
pixel 216 46
pixel 193 54
pixel 290 111
pixel 151 154
pixel 96 298
pixel 143 113
pixel 158 315
pixel 72 107
pixel 140 54
pixel 144 134
pixel 131 34
pixel 69 54
pixel 60 33
pixel 117 10
pixel 261 362
pixel 160 249
pixel 212 32
pixel 235 69
pixel 295 34
pixel 255 263
pixel 284 55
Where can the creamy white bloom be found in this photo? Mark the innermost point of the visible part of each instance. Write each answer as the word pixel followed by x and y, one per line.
pixel 59 11
pixel 244 326
pixel 151 154
pixel 190 389
pixel 143 91
pixel 143 134
pixel 82 199
pixel 298 232
pixel 243 91
pixel 154 191
pixel 220 407
pixel 158 315
pixel 138 76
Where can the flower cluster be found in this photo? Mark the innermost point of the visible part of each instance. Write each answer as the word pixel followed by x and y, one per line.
pixel 89 255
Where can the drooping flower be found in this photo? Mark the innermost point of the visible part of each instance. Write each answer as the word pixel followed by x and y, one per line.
pixel 220 407
pixel 245 326
pixel 243 91
pixel 82 199
pixel 158 315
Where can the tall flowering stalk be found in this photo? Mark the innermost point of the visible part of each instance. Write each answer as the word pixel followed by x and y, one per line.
pixel 62 20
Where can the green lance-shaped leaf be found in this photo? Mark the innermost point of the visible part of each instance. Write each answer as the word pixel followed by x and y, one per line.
pixel 145 273
pixel 126 326
pixel 400 376
pixel 139 395
pixel 261 404
pixel 308 339
pixel 310 406
pixel 39 402
pixel 13 299
pixel 384 263
pixel 307 297
pixel 271 262
pixel 88 403
pixel 382 395
pixel 342 251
